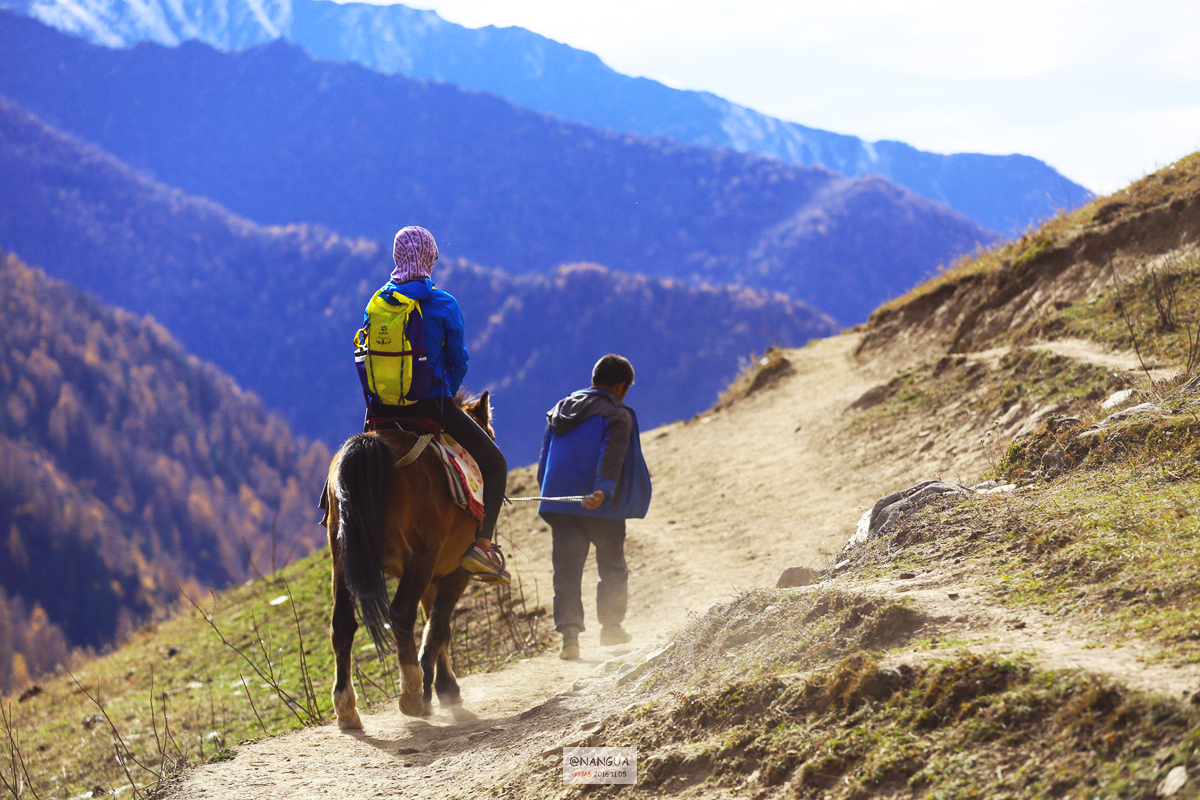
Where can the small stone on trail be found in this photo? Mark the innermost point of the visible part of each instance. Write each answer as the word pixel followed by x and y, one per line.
pixel 952 595
pixel 1117 398
pixel 796 576
pixel 1018 626
pixel 407 751
pixel 1174 781
pixel 905 576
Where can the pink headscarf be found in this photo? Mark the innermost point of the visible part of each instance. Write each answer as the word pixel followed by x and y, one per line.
pixel 414 252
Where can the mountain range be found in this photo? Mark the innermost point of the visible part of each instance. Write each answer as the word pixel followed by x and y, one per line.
pixel 278 137
pixel 1002 193
pixel 276 307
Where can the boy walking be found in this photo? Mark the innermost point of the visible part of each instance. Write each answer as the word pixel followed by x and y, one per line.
pixel 591 448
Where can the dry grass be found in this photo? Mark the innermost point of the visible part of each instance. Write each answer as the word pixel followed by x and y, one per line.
pixel 175 695
pixel 1178 181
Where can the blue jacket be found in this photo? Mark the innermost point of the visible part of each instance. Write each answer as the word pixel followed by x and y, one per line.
pixel 592 443
pixel 444 338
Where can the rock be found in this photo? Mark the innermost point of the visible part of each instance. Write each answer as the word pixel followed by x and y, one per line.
pixel 863 531
pixel 906 576
pixel 1174 781
pixel 952 595
pixel 796 576
pixel 1116 398
pixel 888 511
pixel 1141 410
pixel 406 751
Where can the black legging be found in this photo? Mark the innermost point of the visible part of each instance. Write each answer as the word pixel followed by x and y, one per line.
pixel 474 439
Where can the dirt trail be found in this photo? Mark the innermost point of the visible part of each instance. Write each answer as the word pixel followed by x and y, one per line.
pixel 777 479
pixel 739 496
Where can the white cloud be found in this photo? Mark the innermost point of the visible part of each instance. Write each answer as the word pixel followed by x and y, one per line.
pixel 1100 89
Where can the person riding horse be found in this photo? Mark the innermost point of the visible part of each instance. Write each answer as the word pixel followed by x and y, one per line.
pixel 414 252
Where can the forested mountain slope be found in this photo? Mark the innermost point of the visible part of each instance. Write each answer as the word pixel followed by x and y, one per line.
pixel 127 464
pixel 281 138
pixel 277 307
pixel 1004 193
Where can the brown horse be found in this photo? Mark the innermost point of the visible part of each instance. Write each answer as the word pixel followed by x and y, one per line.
pixel 398 521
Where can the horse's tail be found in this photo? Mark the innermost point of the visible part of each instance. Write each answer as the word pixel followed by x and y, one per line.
pixel 363 476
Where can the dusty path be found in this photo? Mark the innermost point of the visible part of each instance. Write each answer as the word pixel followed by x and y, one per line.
pixel 777 479
pixel 739 496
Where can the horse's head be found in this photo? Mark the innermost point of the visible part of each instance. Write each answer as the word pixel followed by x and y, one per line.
pixel 479 409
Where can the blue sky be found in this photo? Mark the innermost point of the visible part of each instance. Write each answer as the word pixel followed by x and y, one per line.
pixel 1103 91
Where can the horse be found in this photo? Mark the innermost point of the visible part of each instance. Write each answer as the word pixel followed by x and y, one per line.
pixel 386 519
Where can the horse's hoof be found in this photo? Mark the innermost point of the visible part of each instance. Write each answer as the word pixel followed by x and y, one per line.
pixel 350 722
pixel 450 697
pixel 428 708
pixel 412 705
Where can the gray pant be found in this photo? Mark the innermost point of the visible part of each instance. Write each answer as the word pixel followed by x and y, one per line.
pixel 572 536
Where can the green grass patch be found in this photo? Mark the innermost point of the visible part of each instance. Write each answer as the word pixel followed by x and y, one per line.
pixel 969 727
pixel 175 693
pixel 1156 314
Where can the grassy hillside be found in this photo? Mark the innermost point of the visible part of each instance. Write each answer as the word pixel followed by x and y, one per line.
pixel 175 694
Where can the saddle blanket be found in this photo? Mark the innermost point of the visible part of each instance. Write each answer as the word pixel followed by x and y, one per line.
pixel 466 481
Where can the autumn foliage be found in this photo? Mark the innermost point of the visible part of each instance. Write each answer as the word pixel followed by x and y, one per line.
pixel 127 466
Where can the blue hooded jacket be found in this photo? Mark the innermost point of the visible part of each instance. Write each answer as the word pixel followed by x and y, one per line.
pixel 592 443
pixel 444 336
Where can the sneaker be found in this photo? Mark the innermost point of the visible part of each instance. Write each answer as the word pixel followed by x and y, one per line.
pixel 486 565
pixel 570 646
pixel 614 634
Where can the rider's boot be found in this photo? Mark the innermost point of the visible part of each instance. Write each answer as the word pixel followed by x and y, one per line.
pixel 485 561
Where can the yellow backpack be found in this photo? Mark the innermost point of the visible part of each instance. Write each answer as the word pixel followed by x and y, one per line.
pixel 389 350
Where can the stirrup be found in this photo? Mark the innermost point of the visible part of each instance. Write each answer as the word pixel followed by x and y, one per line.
pixel 491 573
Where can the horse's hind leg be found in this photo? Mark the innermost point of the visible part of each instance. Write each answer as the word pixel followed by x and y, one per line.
pixel 435 656
pixel 342 636
pixel 404 617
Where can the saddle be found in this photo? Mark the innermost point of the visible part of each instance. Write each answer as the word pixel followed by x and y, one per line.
pixel 466 480
pixel 462 472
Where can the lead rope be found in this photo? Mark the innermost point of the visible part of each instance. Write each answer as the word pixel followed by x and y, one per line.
pixel 578 499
